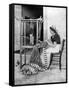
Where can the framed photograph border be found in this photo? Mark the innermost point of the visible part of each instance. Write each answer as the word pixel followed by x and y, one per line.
pixel 11 45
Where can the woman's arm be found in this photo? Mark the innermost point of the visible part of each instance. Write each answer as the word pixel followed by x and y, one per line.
pixel 50 43
pixel 42 44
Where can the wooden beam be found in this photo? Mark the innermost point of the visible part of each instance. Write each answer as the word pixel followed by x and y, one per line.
pixel 37 32
pixel 29 20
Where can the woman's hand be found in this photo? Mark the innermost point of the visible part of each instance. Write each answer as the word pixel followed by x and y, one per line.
pixel 38 45
pixel 54 45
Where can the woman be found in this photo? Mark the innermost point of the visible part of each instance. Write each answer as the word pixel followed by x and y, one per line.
pixel 54 43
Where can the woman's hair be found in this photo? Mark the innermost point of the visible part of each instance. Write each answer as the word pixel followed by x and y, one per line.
pixel 54 30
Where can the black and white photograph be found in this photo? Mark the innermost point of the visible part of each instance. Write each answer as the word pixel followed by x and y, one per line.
pixel 38 43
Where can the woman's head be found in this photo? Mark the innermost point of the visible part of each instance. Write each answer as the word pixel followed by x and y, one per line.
pixel 53 30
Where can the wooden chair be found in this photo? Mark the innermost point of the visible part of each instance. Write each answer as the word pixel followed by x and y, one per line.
pixel 55 58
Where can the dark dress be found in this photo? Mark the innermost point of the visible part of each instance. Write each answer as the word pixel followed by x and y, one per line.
pixel 55 38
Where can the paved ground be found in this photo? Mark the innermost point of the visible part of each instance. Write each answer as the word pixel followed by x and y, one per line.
pixel 48 76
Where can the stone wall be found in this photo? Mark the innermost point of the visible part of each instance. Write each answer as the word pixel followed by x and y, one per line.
pixel 17 26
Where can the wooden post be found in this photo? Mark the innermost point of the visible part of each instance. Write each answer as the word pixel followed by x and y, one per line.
pixel 37 32
pixel 20 46
pixel 24 42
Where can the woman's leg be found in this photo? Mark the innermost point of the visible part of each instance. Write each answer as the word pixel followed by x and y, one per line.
pixel 52 50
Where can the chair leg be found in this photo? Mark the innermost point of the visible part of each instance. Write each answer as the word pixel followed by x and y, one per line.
pixel 50 60
pixel 60 62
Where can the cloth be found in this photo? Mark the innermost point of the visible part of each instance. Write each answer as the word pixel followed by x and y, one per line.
pixel 35 57
pixel 36 53
pixel 42 56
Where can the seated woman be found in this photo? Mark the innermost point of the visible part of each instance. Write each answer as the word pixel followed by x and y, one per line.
pixel 54 44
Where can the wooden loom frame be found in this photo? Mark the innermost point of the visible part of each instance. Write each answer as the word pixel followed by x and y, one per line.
pixel 25 47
